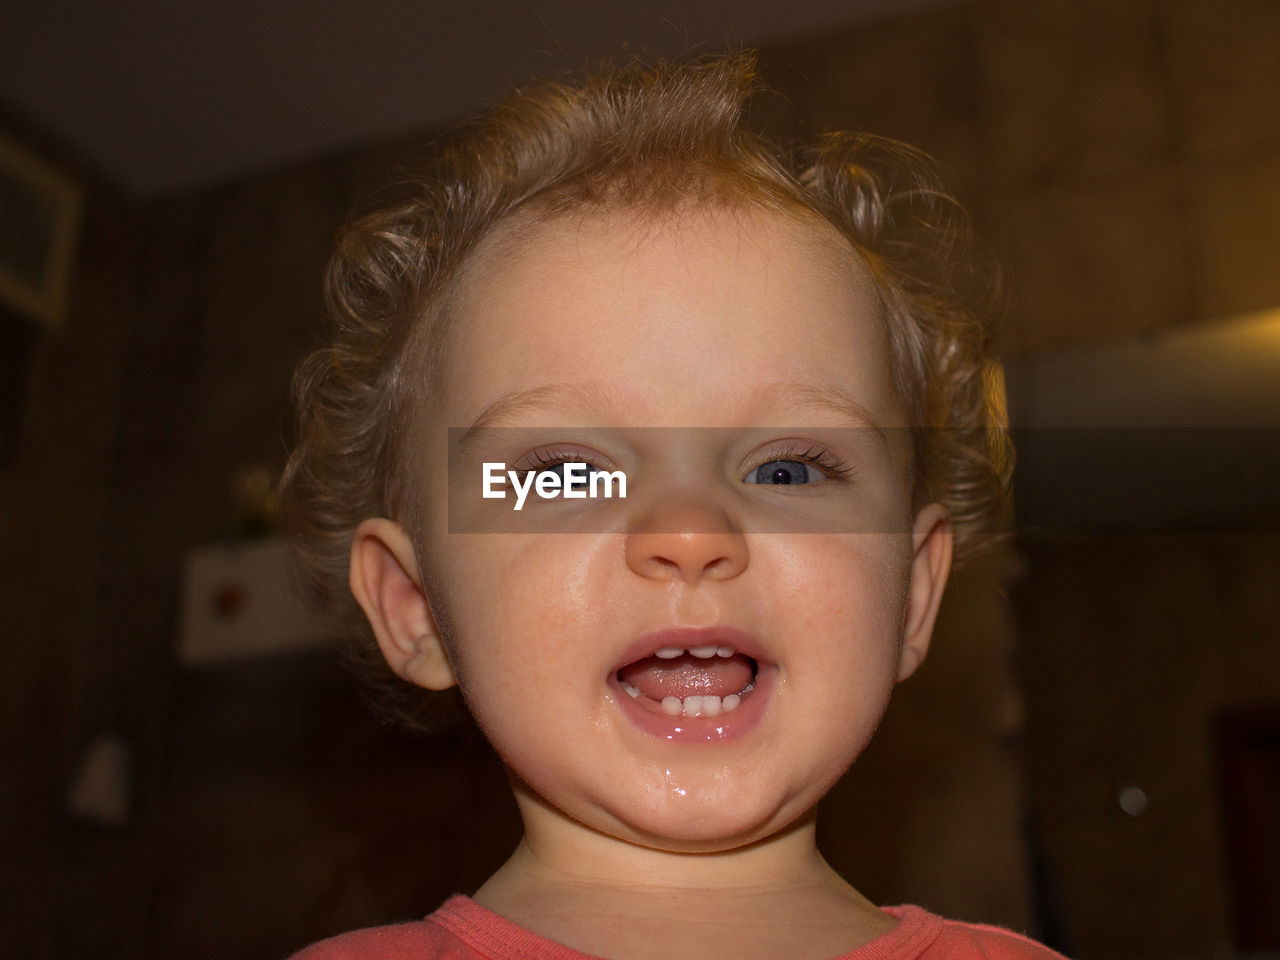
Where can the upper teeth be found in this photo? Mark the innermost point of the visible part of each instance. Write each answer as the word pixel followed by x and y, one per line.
pixel 706 652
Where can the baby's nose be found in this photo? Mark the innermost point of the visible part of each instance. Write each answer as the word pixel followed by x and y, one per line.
pixel 687 539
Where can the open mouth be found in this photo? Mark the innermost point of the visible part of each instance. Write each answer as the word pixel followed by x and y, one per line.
pixel 707 680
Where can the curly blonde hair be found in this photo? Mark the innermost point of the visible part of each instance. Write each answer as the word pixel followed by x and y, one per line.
pixel 648 136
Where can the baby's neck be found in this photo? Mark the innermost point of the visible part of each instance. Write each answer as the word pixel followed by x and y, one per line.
pixel 776 898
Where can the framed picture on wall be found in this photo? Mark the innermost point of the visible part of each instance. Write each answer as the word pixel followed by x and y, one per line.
pixel 39 219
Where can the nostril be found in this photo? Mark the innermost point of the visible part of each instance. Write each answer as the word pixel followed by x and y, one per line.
pixel 686 555
pixel 719 565
pixel 656 568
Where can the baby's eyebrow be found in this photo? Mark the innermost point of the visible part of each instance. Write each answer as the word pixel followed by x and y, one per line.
pixel 782 395
pixel 584 396
pixel 800 396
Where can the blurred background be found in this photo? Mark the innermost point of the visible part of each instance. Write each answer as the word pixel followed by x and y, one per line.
pixel 1092 752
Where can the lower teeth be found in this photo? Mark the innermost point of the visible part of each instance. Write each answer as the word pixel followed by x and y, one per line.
pixel 696 706
pixel 699 706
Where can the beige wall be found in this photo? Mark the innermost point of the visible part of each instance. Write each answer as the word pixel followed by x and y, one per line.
pixel 1120 157
pixel 1133 644
pixel 1124 162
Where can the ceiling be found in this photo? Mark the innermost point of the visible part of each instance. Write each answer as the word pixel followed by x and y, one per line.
pixel 162 96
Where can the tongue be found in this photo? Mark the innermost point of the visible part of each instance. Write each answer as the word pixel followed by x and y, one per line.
pixel 687 676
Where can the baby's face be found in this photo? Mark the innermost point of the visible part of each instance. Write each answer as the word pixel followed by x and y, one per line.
pixel 576 339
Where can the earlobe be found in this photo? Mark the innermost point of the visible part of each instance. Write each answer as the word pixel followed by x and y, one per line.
pixel 930 565
pixel 385 581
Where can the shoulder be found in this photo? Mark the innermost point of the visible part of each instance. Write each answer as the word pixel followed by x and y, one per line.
pixel 938 938
pixel 419 940
pixel 992 943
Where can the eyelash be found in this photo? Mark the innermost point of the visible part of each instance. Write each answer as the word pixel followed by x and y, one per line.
pixel 544 457
pixel 822 458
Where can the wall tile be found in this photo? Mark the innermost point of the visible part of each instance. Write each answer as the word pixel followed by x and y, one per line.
pixel 1074 89
pixel 1225 69
pixel 26 917
pixel 1235 216
pixel 1123 691
pixel 1087 263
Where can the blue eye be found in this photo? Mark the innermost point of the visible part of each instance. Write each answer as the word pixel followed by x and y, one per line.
pixel 582 478
pixel 778 472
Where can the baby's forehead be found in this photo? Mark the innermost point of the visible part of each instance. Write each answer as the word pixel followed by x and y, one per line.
pixel 599 249
pixel 542 231
pixel 672 306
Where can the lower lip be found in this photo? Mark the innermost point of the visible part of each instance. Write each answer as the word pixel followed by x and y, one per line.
pixel 727 726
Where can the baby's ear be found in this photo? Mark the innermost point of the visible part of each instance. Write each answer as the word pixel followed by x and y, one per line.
pixel 930 563
pixel 386 584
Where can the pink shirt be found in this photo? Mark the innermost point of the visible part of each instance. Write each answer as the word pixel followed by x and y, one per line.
pixel 463 930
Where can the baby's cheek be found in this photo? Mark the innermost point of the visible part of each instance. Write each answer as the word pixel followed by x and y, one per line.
pixel 516 601
pixel 839 566
pixel 849 594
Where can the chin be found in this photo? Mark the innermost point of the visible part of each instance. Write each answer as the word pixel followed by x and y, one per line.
pixel 688 824
pixel 705 837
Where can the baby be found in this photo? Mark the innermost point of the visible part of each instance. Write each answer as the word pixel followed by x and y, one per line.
pixel 764 362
